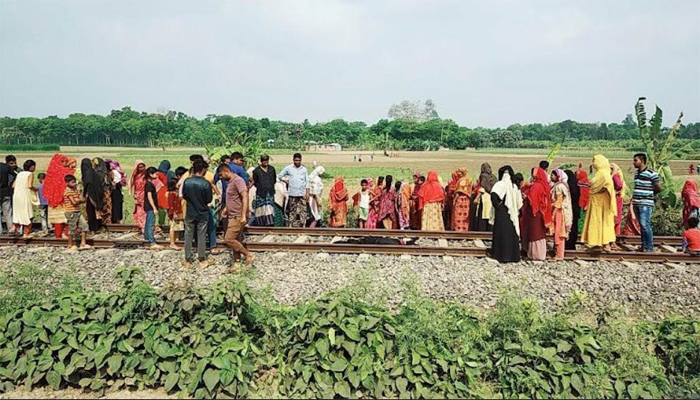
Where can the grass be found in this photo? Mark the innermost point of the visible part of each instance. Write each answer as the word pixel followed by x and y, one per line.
pixel 27 284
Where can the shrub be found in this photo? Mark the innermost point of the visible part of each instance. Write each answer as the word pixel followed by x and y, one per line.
pixel 29 147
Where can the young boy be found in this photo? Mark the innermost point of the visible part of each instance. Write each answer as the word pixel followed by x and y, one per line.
pixel 691 237
pixel 362 200
pixel 175 213
pixel 150 207
pixel 72 199
pixel 43 204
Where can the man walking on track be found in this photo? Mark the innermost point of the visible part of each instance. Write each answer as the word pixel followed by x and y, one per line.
pixel 198 193
pixel 298 192
pixel 236 211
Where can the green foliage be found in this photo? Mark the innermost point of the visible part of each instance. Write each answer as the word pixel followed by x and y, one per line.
pixel 223 342
pixel 408 131
pixel 29 147
pixel 26 284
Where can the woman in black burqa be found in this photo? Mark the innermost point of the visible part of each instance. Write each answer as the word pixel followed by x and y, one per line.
pixel 506 200
pixel 576 209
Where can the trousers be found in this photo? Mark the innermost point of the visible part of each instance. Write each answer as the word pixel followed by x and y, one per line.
pixel 201 227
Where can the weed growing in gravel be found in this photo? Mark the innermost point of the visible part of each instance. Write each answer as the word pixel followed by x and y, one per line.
pixel 26 284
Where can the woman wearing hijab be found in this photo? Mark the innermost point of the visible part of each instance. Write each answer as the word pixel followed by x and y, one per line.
pixel 450 195
pixel 575 192
pixel 118 181
pixel 415 201
pixel 280 202
pixel 93 192
pixel 338 200
pixel 315 206
pixel 461 203
pixel 537 215
pixel 403 205
pixel 584 187
pixel 264 180
pixel 164 175
pixel 432 197
pixel 387 205
pixel 372 215
pixel 691 201
pixel 562 214
pixel 105 183
pixel 482 200
pixel 55 184
pixel 599 228
pixel 507 202
pixel 137 187
pixel 620 186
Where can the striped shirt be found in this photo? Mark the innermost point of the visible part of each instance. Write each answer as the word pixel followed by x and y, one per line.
pixel 71 196
pixel 644 182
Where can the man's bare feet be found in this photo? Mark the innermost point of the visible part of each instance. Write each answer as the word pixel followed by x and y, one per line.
pixel 85 247
pixel 187 264
pixel 156 246
pixel 72 249
pixel 175 247
pixel 249 260
pixel 205 263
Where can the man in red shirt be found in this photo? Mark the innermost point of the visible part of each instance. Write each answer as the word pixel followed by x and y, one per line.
pixel 236 210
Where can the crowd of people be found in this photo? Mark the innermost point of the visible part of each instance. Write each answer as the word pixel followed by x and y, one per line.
pixel 521 212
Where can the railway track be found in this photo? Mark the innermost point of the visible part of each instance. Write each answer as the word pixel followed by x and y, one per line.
pixel 356 232
pixel 343 248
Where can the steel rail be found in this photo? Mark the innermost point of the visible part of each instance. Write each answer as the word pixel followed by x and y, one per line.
pixel 341 248
pixel 356 232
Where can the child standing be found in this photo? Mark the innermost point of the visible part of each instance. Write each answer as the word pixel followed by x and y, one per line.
pixel 175 214
pixel 691 237
pixel 43 204
pixel 150 207
pixel 72 199
pixel 362 200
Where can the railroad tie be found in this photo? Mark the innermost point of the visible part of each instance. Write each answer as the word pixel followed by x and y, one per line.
pixel 668 249
pixel 267 239
pixel 301 239
pixel 479 244
pixel 442 242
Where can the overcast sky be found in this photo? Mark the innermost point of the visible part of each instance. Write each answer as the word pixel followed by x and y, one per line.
pixel 484 63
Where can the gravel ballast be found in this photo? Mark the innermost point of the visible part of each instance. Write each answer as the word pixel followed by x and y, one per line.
pixel 643 290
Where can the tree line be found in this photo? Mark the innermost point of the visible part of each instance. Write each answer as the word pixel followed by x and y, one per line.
pixel 410 127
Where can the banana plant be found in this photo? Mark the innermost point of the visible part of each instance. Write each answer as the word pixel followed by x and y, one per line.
pixel 251 147
pixel 658 147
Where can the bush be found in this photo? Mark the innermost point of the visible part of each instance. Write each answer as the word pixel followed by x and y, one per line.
pixel 222 341
pixel 29 147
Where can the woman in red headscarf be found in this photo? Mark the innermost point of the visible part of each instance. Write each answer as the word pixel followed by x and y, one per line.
pixel 339 204
pixel 691 201
pixel 137 188
pixel 585 187
pixel 537 215
pixel 54 186
pixel 431 199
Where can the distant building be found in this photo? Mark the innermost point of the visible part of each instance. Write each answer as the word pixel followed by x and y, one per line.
pixel 325 147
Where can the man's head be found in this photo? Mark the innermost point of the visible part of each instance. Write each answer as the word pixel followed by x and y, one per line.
pixel 297 159
pixel 544 165
pixel 224 172
pixel 237 158
pixel 179 171
pixel 225 159
pixel 41 177
pixel 196 157
pixel 71 182
pixel 265 160
pixel 29 165
pixel 151 173
pixel 364 184
pixel 172 185
pixel 640 160
pixel 11 160
pixel 693 222
pixel 199 168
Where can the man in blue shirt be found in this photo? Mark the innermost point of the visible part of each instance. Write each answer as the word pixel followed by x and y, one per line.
pixel 298 191
pixel 646 184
